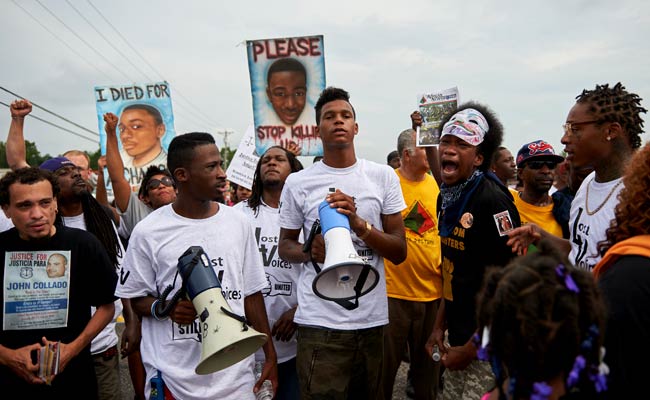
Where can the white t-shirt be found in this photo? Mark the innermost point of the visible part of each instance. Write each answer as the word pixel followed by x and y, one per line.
pixel 107 337
pixel 281 276
pixel 589 230
pixel 151 265
pixel 377 191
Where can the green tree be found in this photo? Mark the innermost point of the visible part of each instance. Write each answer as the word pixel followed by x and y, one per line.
pixel 226 155
pixel 94 157
pixel 33 155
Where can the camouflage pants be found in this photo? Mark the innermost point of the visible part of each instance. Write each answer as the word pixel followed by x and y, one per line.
pixel 334 364
pixel 468 384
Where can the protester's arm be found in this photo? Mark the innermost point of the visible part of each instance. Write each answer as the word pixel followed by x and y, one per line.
pixel 290 249
pixel 132 333
pixel 102 316
pixel 437 336
pixel 256 315
pixel 432 151
pixel 522 237
pixel 183 313
pixel 284 328
pixel 20 362
pixel 100 191
pixel 16 152
pixel 115 165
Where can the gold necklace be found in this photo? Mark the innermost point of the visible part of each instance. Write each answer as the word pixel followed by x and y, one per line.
pixel 604 201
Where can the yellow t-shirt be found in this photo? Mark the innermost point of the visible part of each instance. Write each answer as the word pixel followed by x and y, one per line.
pixel 418 278
pixel 542 216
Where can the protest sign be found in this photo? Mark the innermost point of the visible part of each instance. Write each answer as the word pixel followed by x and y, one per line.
pixel 37 285
pixel 287 75
pixel 433 106
pixel 145 126
pixel 242 166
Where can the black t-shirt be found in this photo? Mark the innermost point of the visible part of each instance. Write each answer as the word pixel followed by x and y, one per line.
pixel 92 281
pixel 626 290
pixel 475 243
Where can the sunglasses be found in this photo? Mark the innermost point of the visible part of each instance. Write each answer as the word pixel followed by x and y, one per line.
pixel 540 164
pixel 155 183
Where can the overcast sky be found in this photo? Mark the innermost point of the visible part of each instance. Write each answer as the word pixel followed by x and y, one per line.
pixel 527 60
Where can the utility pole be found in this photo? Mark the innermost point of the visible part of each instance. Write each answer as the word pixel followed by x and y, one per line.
pixel 226 145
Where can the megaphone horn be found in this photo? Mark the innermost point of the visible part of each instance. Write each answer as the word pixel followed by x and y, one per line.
pixel 226 336
pixel 345 275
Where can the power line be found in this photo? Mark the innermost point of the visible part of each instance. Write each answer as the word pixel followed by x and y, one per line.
pixel 51 112
pixel 196 109
pixel 107 41
pixel 62 41
pixel 55 125
pixel 100 55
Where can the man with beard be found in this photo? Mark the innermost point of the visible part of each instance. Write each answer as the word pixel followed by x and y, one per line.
pixel 79 209
pixel 28 198
pixel 280 297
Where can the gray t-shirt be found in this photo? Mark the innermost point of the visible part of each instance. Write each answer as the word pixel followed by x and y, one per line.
pixel 135 212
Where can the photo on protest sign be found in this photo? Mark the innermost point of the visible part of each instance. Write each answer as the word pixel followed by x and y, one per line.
pixel 287 75
pixel 433 106
pixel 145 125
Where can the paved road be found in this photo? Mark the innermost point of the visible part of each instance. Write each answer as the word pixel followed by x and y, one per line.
pixel 127 389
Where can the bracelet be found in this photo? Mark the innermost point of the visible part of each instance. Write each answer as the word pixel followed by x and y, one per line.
pixel 365 235
pixel 153 311
pixel 17 117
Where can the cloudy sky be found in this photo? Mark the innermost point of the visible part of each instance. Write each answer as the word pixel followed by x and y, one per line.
pixel 526 59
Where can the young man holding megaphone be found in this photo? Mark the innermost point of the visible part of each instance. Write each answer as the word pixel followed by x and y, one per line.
pixel 195 229
pixel 340 343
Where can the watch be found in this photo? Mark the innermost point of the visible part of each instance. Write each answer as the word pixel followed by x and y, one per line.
pixel 367 232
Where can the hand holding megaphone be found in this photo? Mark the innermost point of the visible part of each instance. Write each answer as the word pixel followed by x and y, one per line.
pixel 183 312
pixel 346 205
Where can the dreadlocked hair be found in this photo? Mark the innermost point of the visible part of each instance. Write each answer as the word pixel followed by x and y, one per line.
pixel 538 325
pixel 99 224
pixel 258 186
pixel 616 105
pixel 632 213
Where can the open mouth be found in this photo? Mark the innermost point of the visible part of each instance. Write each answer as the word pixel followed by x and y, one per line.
pixel 448 167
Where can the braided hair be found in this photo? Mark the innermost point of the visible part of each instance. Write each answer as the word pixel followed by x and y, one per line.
pixel 99 224
pixel 542 314
pixel 615 104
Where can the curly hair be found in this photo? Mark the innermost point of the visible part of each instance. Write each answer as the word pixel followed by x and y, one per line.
pixel 152 171
pixel 537 324
pixel 258 186
pixel 331 94
pixel 632 213
pixel 493 137
pixel 25 176
pixel 616 105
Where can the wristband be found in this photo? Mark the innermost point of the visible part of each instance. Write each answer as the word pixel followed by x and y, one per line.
pixel 367 232
pixel 153 310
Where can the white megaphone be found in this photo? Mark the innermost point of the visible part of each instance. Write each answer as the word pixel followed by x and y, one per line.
pixel 345 275
pixel 226 337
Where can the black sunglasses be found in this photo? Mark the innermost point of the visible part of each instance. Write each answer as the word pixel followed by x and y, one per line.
pixel 540 164
pixel 154 183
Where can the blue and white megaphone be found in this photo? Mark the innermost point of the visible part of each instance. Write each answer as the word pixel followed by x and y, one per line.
pixel 345 275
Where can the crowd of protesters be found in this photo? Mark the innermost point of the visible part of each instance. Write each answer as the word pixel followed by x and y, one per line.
pixel 496 276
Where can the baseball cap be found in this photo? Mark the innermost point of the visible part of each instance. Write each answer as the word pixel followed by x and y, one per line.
pixel 539 150
pixel 56 163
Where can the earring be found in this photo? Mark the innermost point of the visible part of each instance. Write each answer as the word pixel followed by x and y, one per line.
pixel 609 138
